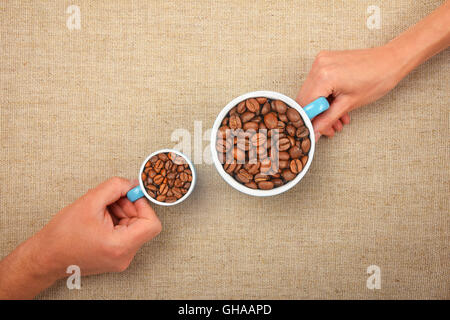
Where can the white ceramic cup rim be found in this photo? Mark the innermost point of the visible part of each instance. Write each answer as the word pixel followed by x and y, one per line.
pixel 191 188
pixel 229 179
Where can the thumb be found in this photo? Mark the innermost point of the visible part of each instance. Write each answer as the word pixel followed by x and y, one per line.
pixel 323 122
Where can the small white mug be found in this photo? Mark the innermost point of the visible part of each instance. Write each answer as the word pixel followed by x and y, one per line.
pixel 310 111
pixel 139 191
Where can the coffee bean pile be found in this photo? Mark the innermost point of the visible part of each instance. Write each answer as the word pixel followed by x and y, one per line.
pixel 167 177
pixel 263 143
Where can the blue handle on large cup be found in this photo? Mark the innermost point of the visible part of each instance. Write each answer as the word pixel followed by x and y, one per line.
pixel 135 193
pixel 316 107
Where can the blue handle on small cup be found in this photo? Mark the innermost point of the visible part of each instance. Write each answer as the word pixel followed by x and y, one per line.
pixel 135 193
pixel 316 107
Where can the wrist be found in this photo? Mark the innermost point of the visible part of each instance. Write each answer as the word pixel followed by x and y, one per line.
pixel 399 66
pixel 23 274
pixel 44 264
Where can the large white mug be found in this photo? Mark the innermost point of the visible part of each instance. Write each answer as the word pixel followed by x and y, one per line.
pixel 307 113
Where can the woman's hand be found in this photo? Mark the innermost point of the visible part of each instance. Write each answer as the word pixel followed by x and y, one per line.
pixel 349 79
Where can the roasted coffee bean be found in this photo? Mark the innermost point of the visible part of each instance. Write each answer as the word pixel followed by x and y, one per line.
pixel 283 155
pixel 171 199
pixel 171 175
pixel 283 118
pixel 290 129
pixel 298 123
pixel 153 160
pixel 161 198
pixel 222 133
pixel 293 115
pixel 252 105
pixel 168 165
pixel 267 145
pixel 302 132
pixel 184 176
pixel 306 145
pixel 284 144
pixel 251 126
pixel 261 177
pixel 295 152
pixel 238 154
pixel 261 100
pixel 281 125
pixel 258 139
pixel 247 116
pixel 287 174
pixel 277 182
pixel 166 177
pixel 265 185
pixel 283 164
pixel 158 165
pixel 291 140
pixel 163 157
pixel 262 126
pixel 241 178
pixel 177 192
pixel 163 189
pixel 304 160
pixel 296 166
pixel 251 185
pixel 229 167
pixel 235 122
pixel 241 107
pixel 271 120
pixel 158 179
pixel 265 108
pixel 279 106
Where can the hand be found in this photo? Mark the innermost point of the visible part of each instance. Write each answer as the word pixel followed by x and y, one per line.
pixel 349 79
pixel 100 232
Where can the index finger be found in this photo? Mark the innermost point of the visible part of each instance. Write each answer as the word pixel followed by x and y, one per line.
pixel 111 190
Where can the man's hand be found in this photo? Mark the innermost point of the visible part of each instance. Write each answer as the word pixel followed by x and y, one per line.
pixel 100 232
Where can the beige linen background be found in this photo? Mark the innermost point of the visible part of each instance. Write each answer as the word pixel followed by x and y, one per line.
pixel 80 106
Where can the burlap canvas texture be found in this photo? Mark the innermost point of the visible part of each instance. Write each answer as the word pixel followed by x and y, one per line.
pixel 79 106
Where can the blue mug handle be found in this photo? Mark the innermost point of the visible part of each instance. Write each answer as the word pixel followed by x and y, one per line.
pixel 135 193
pixel 316 107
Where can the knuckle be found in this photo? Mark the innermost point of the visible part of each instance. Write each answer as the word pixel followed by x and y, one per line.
pixel 122 266
pixel 324 73
pixel 157 227
pixel 321 57
pixel 115 180
pixel 115 250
